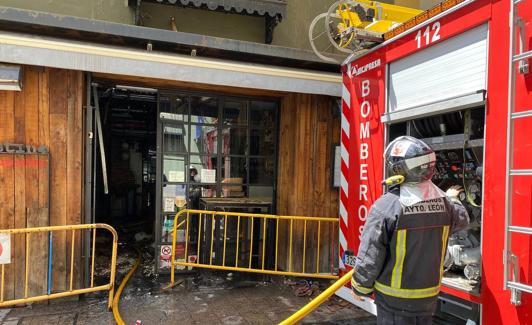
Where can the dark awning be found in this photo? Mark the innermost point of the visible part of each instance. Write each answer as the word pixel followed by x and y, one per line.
pixel 271 8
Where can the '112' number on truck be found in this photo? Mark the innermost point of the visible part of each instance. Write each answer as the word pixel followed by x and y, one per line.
pixel 433 29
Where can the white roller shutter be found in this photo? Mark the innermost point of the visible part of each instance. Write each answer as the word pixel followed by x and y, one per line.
pixel 453 68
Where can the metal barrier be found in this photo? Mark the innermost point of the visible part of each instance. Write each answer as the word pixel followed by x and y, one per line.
pixel 71 291
pixel 316 302
pixel 205 228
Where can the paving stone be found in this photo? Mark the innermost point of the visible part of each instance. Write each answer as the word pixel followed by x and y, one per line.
pixel 10 322
pixel 220 302
pixel 234 320
pixel 3 313
pixel 258 318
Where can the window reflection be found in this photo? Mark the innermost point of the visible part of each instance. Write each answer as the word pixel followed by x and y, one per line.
pixel 204 110
pixel 234 170
pixel 218 146
pixel 174 169
pixel 205 169
pixel 174 107
pixel 234 112
pixel 175 138
pixel 234 141
pixel 204 139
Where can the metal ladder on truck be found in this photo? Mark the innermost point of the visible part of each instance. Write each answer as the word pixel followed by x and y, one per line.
pixel 521 58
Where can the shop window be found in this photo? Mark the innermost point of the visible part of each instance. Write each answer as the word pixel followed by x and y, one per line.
pixel 214 146
pixel 204 139
pixel 174 197
pixel 174 169
pixel 234 112
pixel 204 168
pixel 175 137
pixel 262 142
pixel 261 171
pixel 204 110
pixel 234 170
pixel 174 107
pixel 234 141
pixel 263 114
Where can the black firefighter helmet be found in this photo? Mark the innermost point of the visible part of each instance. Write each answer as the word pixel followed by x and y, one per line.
pixel 411 158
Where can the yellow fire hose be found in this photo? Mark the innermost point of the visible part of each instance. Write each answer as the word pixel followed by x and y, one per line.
pixel 316 302
pixel 116 312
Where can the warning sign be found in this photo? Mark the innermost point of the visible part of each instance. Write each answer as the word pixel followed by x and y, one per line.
pixel 166 252
pixel 5 248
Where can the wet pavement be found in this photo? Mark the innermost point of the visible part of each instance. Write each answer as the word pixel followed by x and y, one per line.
pixel 204 297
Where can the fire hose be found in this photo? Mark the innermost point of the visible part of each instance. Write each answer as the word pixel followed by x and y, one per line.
pixel 316 302
pixel 116 311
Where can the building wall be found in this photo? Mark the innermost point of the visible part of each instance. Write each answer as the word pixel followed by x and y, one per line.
pixel 308 134
pixel 40 191
pixel 108 10
pixel 291 32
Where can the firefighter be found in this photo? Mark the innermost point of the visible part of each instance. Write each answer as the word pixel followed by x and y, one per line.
pixel 404 240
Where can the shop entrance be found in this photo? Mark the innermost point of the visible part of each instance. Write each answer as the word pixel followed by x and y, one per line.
pixel 155 152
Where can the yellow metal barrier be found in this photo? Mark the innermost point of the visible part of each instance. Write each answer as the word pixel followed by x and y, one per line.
pixel 314 303
pixel 206 226
pixel 71 291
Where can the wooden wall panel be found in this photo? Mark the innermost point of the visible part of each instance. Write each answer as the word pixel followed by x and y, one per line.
pixel 7 181
pixel 74 151
pixel 7 215
pixel 40 282
pixel 308 133
pixel 41 190
pixel 58 151
pixel 7 115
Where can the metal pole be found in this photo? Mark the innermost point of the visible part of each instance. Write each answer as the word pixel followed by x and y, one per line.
pixel 50 251
pixel 89 136
pixel 509 144
pixel 99 133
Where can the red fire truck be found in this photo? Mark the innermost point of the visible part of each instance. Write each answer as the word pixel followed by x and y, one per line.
pixel 459 78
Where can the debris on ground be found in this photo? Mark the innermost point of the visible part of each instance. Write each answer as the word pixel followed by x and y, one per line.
pixel 304 288
pixel 198 296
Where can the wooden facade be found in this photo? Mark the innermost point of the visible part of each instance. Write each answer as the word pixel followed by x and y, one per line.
pixel 309 131
pixel 41 190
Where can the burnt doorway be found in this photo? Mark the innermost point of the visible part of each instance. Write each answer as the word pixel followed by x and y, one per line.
pixel 125 160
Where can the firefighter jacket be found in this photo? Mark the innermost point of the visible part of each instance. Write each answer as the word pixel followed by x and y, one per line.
pixel 402 252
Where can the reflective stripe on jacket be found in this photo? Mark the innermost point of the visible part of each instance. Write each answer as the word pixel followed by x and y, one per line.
pixel 402 252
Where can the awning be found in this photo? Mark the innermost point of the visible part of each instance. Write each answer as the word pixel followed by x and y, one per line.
pixel 271 8
pixel 28 49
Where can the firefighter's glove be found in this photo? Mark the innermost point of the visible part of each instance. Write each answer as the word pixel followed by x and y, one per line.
pixel 357 297
pixel 359 292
